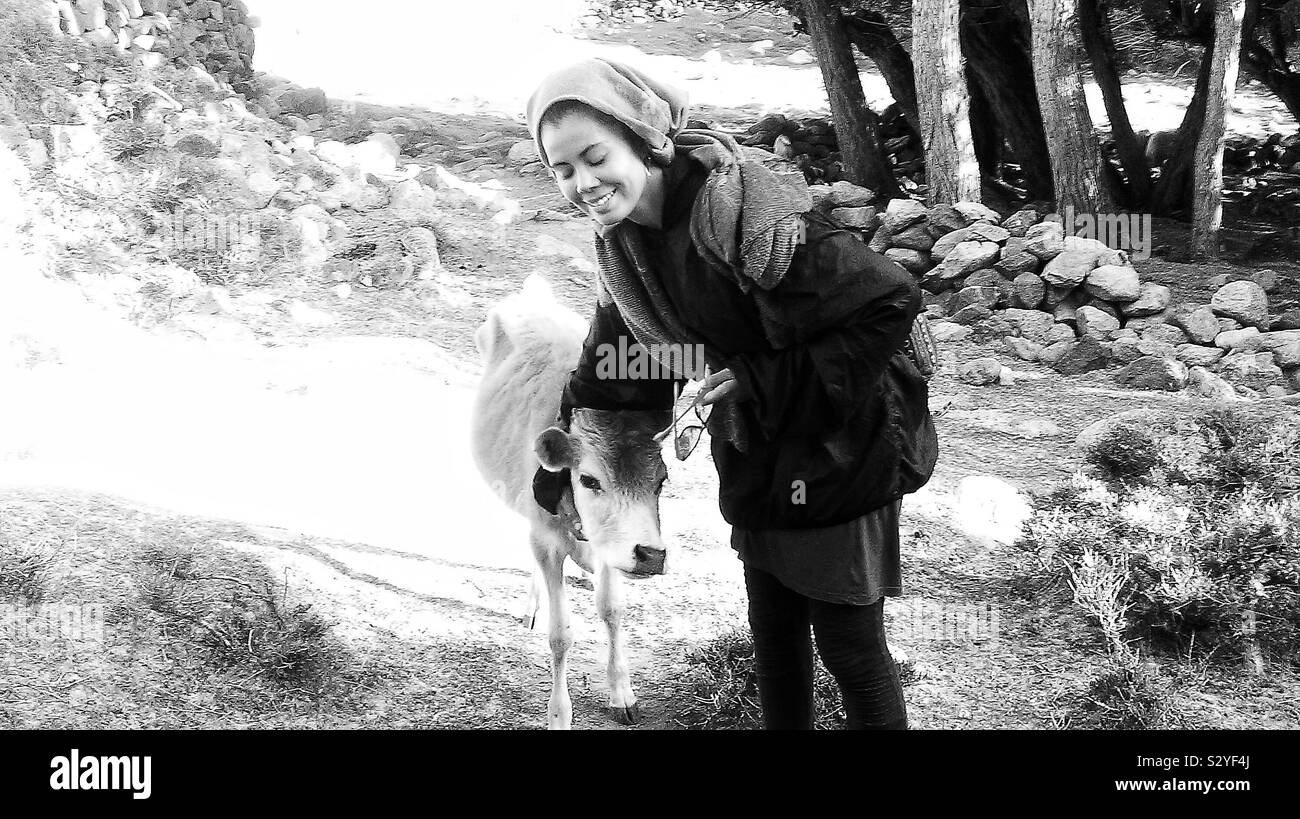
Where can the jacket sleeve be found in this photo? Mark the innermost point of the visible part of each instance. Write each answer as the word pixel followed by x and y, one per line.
pixel 848 310
pixel 607 376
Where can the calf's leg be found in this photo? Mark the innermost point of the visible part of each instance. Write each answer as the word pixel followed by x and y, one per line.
pixel 551 564
pixel 623 706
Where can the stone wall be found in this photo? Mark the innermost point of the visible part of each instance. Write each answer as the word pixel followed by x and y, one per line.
pixel 214 34
pixel 1073 303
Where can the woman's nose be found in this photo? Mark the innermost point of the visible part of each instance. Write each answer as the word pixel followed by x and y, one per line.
pixel 584 179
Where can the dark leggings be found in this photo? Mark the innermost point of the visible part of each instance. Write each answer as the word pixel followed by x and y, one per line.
pixel 851 642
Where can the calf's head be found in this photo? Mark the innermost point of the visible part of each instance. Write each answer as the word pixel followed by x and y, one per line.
pixel 616 471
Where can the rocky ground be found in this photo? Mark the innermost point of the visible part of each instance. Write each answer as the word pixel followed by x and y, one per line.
pixel 285 371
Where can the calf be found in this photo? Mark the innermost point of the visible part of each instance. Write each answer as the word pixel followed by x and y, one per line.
pixel 609 519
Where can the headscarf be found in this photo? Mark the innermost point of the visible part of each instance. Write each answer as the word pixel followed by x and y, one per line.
pixel 654 111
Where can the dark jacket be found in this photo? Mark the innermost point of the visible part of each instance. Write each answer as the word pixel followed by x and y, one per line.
pixel 839 423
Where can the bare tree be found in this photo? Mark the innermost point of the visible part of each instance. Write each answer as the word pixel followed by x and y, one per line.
pixel 1078 175
pixel 856 125
pixel 1098 39
pixel 1225 57
pixel 943 103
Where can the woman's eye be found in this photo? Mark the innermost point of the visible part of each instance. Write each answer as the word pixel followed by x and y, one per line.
pixel 589 483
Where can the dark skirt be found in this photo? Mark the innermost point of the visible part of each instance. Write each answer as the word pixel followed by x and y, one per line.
pixel 855 562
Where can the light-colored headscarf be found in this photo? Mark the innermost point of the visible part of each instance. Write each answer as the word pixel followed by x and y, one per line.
pixel 654 111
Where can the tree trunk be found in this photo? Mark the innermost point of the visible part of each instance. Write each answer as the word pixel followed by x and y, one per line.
pixel 996 45
pixel 1269 65
pixel 1173 191
pixel 856 125
pixel 1077 174
pixel 1207 199
pixel 943 103
pixel 1094 24
pixel 871 33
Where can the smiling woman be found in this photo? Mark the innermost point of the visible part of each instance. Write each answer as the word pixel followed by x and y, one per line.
pixel 819 422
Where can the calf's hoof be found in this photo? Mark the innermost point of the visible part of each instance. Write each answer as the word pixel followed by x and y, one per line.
pixel 626 714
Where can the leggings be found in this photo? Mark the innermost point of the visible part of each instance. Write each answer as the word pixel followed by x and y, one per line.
pixel 850 641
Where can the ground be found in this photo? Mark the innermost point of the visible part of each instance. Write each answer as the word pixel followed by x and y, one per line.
pixel 336 454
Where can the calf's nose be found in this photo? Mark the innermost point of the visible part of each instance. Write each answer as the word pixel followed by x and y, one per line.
pixel 649 559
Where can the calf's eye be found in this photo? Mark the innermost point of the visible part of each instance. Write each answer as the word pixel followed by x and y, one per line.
pixel 589 482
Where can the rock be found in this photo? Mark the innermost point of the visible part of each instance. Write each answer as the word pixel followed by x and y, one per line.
pixel 1066 313
pixel 1104 306
pixel 947 331
pixel 971 314
pixel 848 195
pixel 1094 322
pixel 1245 340
pixel 913 238
pixel 1031 324
pixel 304 102
pixel 1198 355
pixel 859 218
pixel 1125 350
pixel 1159 349
pixel 303 313
pixel 976 212
pixel 985 296
pixel 1242 301
pixel 1058 333
pixel 1023 347
pixel 196 145
pixel 1203 382
pixel 421 247
pixel 901 214
pixel 1114 283
pixel 942 219
pixel 1287 355
pixel 1014 264
pixel 1082 356
pixel 980 231
pixel 1166 333
pixel 966 258
pixel 1069 268
pixel 378 154
pixel 522 153
pixel 1123 332
pixel 1198 321
pixel 1290 320
pixel 413 200
pixel 1029 289
pixel 1293 376
pixel 1254 370
pixel 914 261
pixel 1278 338
pixel 800 57
pixel 1152 299
pixel 985 277
pixel 1227 325
pixel 981 372
pixel 1045 240
pixel 1151 373
pixel 1266 279
pixel 1141 323
pixel 1020 221
pixel 1054 352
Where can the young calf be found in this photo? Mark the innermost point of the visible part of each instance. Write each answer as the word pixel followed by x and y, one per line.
pixel 609 520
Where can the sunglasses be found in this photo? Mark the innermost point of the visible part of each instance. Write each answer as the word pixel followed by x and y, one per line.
pixel 686 434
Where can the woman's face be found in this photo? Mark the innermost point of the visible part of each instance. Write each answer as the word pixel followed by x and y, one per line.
pixel 595 168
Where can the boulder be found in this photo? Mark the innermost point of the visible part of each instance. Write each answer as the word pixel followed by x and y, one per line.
pixel 1166 333
pixel 1045 240
pixel 1248 340
pixel 1207 384
pixel 1020 221
pixel 1198 321
pixel 848 195
pixel 1029 289
pixel 967 257
pixel 901 214
pixel 1152 373
pixel 942 219
pixel 1059 332
pixel 1031 324
pixel 914 261
pixel 976 212
pixel 1069 268
pixel 1151 300
pixel 971 314
pixel 1198 355
pixel 948 332
pixel 1094 322
pixel 980 372
pixel 1081 356
pixel 1242 301
pixel 986 296
pixel 913 238
pixel 1113 282
pixel 1023 348
pixel 860 218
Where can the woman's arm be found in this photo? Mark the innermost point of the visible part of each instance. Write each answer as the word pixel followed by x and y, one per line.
pixel 849 311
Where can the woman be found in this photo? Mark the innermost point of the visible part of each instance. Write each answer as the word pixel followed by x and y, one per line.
pixel 819 424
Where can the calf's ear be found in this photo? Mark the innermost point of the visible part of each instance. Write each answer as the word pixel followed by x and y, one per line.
pixel 556 450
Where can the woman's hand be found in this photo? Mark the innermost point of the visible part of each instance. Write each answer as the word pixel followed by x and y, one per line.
pixel 722 385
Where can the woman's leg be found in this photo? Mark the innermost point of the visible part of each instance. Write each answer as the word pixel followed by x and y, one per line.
pixel 778 617
pixel 851 642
